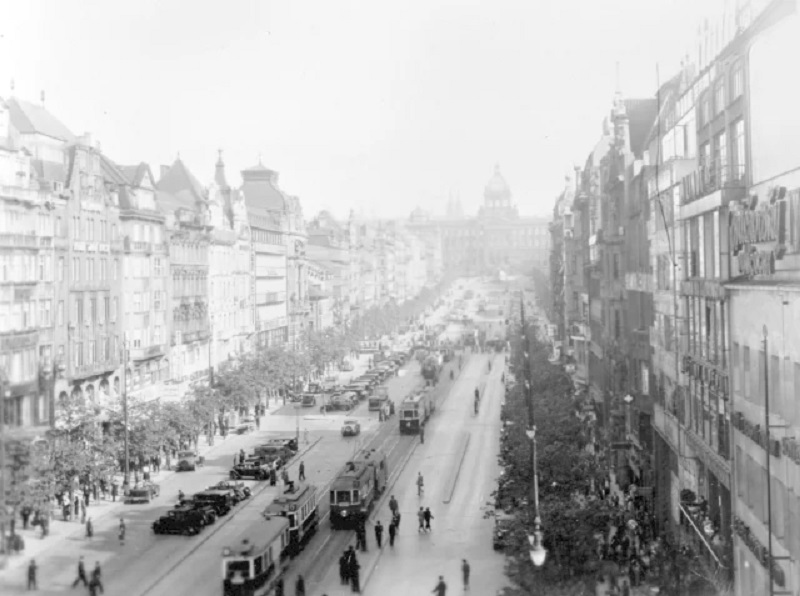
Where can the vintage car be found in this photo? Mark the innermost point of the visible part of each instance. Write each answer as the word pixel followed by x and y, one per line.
pixel 288 442
pixel 180 521
pixel 350 428
pixel 309 400
pixel 142 493
pixel 188 461
pixel 274 452
pixel 361 388
pixel 207 511
pixel 219 499
pixel 239 490
pixel 341 401
pixel 503 524
pixel 253 467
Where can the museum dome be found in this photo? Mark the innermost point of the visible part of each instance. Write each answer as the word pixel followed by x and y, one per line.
pixel 497 187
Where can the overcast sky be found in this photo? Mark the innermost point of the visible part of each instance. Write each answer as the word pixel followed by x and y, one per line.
pixel 372 105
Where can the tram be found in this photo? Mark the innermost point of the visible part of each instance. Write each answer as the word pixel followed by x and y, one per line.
pixel 357 488
pixel 298 504
pixel 415 411
pixel 252 567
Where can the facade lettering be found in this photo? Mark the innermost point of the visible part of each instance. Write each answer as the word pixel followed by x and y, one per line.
pixel 757 226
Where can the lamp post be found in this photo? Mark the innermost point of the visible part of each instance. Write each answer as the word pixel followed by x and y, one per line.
pixel 126 478
pixel 537 552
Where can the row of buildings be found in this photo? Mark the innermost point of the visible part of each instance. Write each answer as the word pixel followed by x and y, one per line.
pixel 675 267
pixel 117 277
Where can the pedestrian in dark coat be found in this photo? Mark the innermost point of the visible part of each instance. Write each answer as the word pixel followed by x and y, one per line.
pixel 273 477
pixel 121 531
pixel 241 456
pixel 26 515
pixel 300 586
pixel 428 517
pixel 89 528
pixel 32 575
pixel 279 587
pixel 421 519
pixel 396 520
pixel 302 471
pixel 96 577
pixel 355 578
pixel 77 506
pixel 343 568
pixel 114 490
pixel 379 533
pixel 81 574
pixel 392 533
pixel 465 573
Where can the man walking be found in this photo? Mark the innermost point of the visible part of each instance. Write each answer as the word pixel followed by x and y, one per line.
pixel 379 533
pixel 32 575
pixel 89 528
pixel 114 490
pixel 96 581
pixel 441 588
pixel 343 568
pixel 421 518
pixel 393 506
pixel 81 574
pixel 355 579
pixel 392 533
pixel 122 531
pixel 428 516
pixel 465 573
pixel 302 471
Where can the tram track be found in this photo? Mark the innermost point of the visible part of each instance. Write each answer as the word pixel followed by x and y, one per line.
pixel 221 523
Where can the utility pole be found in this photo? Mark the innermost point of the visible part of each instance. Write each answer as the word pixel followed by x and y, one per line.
pixel 126 479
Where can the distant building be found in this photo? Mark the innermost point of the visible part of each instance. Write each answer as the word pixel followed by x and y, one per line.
pixel 497 239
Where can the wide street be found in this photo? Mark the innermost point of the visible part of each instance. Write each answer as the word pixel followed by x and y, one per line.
pixel 457 492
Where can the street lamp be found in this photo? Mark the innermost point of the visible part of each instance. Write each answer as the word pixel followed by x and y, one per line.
pixel 537 552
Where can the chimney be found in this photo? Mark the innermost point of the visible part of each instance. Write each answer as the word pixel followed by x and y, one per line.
pixel 164 170
pixel 577 179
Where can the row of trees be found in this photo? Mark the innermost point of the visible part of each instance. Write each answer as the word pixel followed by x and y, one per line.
pixel 87 443
pixel 567 472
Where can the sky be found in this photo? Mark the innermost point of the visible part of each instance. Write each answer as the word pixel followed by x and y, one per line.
pixel 368 105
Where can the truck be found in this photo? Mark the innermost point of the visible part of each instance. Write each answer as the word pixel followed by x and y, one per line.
pixel 378 399
pixel 430 369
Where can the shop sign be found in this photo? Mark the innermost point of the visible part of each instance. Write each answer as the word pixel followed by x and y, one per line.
pixel 757 226
pixel 760 552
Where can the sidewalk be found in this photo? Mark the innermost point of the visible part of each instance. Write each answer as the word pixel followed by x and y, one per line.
pixel 63 533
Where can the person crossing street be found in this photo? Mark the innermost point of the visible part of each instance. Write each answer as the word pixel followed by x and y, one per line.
pixel 441 587
pixel 392 533
pixel 32 575
pixel 465 573
pixel 393 506
pixel 81 574
pixel 428 516
pixel 379 533
pixel 302 475
pixel 421 518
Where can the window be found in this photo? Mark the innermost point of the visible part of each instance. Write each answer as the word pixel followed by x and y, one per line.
pixel 137 302
pixel 113 231
pixel 107 308
pixel 89 270
pixel 157 300
pixel 705 110
pixel 44 312
pixel 739 157
pixel 93 310
pixel 115 270
pixel 737 80
pixel 157 272
pixel 721 156
pixel 76 269
pixel 90 357
pixel 60 268
pixel 60 314
pixel 114 310
pixel 719 96
pixel 157 335
pixel 616 266
pixel 78 309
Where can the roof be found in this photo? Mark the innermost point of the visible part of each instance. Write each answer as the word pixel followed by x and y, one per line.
pixel 179 181
pixel 49 170
pixel 641 114
pixel 135 174
pixel 35 119
pixel 112 172
pixel 260 189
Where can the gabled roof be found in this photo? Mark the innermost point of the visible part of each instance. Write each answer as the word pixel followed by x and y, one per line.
pixel 30 118
pixel 136 174
pixel 112 172
pixel 641 114
pixel 179 181
pixel 260 189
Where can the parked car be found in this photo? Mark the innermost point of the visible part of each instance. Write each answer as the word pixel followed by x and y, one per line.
pixel 220 499
pixel 341 401
pixel 289 442
pixel 143 493
pixel 188 461
pixel 209 515
pixel 240 491
pixel 350 428
pixel 180 521
pixel 253 467
pixel 309 400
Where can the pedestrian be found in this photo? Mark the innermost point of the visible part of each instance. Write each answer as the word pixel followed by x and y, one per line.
pixel 32 575
pixel 396 520
pixel 465 573
pixel 122 531
pixel 379 533
pixel 114 490
pixel 77 509
pixel 393 506
pixel 81 574
pixel 441 588
pixel 428 517
pixel 96 576
pixel 273 477
pixel 302 471
pixel 83 512
pixel 96 491
pixel 362 534
pixel 421 518
pixel 343 566
pixel 392 533
pixel 26 515
pixel 300 586
pixel 279 591
pixel 355 579
pixel 89 528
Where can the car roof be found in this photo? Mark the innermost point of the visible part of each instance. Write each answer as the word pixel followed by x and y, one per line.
pixel 351 421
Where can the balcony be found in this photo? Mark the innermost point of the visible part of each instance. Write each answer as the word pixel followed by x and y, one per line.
pixel 714 176
pixel 137 245
pixel 147 352
pixel 9 240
